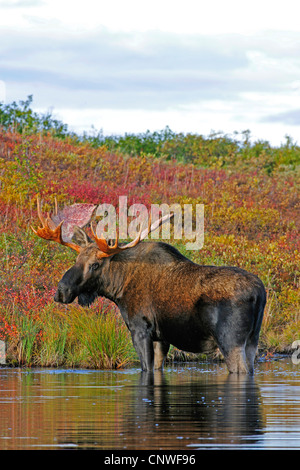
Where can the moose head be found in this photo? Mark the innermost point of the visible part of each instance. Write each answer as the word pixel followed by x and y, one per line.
pixel 87 278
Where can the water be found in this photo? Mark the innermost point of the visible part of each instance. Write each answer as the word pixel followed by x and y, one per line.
pixel 188 406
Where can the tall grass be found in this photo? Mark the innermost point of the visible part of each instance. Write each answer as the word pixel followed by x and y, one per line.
pixel 71 337
pixel 104 338
pixel 27 344
pixel 53 347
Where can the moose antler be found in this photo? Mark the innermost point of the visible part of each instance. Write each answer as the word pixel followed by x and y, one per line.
pixel 79 215
pixel 60 226
pixel 108 250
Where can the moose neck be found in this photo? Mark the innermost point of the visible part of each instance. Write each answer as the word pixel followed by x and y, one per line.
pixel 112 280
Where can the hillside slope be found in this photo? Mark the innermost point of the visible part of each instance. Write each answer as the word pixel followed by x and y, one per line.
pixel 251 220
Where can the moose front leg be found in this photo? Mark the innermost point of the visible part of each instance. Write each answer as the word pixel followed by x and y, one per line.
pixel 143 345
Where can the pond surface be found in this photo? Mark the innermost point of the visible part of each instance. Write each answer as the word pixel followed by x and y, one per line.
pixel 188 406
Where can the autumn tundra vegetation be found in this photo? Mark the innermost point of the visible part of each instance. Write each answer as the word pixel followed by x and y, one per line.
pixel 250 192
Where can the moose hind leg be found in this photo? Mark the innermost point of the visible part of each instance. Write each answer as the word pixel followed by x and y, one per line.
pixel 251 350
pixel 161 349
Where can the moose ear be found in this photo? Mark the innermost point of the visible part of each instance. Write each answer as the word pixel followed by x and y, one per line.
pixel 80 237
pixel 111 241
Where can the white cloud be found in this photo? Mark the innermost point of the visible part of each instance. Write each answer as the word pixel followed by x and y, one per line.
pixel 2 91
pixel 192 16
pixel 129 66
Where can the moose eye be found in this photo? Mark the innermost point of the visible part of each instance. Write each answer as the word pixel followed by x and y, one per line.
pixel 94 266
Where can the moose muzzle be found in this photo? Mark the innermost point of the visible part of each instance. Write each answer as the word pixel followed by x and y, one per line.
pixel 67 289
pixel 64 294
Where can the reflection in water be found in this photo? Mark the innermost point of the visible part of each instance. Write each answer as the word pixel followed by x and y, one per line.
pixel 185 407
pixel 196 413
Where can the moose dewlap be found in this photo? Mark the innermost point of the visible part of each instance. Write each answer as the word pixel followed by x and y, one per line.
pixel 165 298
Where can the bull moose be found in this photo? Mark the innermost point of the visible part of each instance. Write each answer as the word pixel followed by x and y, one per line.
pixel 164 298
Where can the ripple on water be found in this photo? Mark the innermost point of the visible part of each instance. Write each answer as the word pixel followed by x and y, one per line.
pixel 189 406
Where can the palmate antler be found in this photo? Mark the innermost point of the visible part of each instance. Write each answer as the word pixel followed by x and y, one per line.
pixel 50 231
pixel 80 215
pixel 60 226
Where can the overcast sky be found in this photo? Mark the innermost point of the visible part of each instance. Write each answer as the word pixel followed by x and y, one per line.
pixel 128 65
